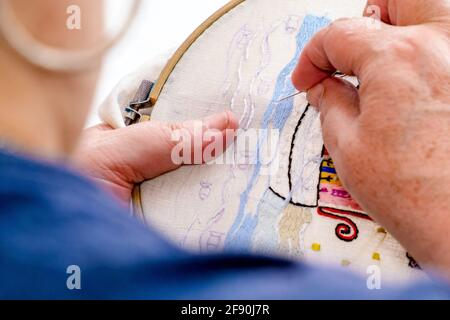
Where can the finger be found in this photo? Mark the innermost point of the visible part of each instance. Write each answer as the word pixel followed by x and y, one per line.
pixel 213 134
pixel 227 128
pixel 410 12
pixel 221 121
pixel 377 9
pixel 161 148
pixel 338 103
pixel 347 45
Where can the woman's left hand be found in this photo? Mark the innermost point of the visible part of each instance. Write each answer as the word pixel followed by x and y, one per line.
pixel 119 159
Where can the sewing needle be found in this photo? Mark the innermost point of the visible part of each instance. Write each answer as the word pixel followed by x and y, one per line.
pixel 289 97
pixel 335 74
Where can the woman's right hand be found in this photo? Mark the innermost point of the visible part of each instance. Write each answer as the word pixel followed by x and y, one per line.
pixel 390 140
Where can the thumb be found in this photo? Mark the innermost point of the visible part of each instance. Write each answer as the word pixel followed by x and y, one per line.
pixel 161 147
pixel 409 12
pixel 338 103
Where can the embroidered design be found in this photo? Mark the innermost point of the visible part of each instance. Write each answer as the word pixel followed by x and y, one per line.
pixel 381 230
pixel 331 191
pixel 412 262
pixel 347 229
pixel 376 256
pixel 345 263
pixel 293 222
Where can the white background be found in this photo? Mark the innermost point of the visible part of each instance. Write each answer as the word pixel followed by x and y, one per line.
pixel 160 26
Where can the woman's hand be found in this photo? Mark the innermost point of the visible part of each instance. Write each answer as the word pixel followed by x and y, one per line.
pixel 390 140
pixel 119 159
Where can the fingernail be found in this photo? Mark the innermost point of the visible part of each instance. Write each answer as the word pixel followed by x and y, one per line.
pixel 315 95
pixel 220 121
pixel 233 121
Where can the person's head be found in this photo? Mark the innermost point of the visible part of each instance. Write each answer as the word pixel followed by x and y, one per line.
pixel 41 109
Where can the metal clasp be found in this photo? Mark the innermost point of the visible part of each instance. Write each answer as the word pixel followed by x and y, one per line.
pixel 141 101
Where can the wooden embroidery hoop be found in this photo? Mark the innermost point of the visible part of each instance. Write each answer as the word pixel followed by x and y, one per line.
pixel 164 76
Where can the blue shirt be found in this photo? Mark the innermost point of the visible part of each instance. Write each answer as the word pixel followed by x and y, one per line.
pixel 52 218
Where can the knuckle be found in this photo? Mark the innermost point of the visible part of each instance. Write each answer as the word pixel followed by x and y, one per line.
pixel 397 47
pixel 354 34
pixel 341 26
pixel 352 26
pixel 406 46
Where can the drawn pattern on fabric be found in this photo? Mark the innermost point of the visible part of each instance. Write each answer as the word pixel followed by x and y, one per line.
pixel 274 117
pixel 306 161
pixel 238 53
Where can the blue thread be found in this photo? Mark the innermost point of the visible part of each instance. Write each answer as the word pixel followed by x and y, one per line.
pixel 328 170
pixel 277 113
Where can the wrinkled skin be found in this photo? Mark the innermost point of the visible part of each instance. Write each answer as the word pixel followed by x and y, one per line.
pixel 391 140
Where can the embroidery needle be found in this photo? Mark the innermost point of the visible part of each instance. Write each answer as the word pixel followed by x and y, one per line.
pixel 335 74
pixel 289 97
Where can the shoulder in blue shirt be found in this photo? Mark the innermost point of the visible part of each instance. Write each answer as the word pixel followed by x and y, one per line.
pixel 52 218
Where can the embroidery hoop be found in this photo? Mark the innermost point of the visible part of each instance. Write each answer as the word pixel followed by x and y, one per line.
pixel 336 218
pixel 51 58
pixel 165 74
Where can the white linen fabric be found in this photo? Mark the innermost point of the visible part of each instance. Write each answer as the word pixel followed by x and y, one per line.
pixel 111 110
